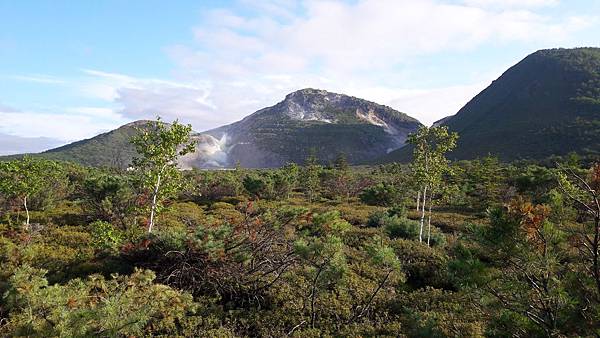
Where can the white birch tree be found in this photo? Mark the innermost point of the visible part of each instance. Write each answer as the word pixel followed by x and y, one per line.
pixel 429 165
pixel 159 146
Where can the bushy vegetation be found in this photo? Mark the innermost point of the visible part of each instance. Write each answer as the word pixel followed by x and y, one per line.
pixel 304 250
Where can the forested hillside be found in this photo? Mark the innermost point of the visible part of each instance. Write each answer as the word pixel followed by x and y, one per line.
pixel 546 105
pixel 111 149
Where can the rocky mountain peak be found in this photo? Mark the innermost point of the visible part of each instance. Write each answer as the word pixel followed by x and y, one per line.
pixel 307 94
pixel 310 104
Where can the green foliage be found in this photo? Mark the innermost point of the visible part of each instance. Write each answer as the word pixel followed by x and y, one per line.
pixel 330 223
pixel 429 166
pixel 28 178
pixel 93 307
pixel 285 180
pixel 215 185
pixel 382 194
pixel 423 265
pixel 105 236
pixel 326 266
pixel 109 197
pixel 429 161
pixel 258 186
pixel 482 183
pixel 396 225
pixel 433 312
pixel 310 177
pixel 288 264
pixel 384 256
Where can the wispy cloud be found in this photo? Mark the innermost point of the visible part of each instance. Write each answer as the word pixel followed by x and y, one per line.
pixel 11 144
pixel 37 78
pixel 503 4
pixel 7 109
pixel 143 98
pixel 66 125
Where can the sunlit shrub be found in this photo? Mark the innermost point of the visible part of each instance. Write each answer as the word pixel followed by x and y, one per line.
pixel 105 237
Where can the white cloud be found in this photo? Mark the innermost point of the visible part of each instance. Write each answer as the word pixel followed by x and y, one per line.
pixel 430 105
pixel 241 63
pixel 254 60
pixel 38 78
pixel 7 109
pixel 71 126
pixel 10 144
pixel 365 35
pixel 503 4
pixel 146 98
pixel 98 113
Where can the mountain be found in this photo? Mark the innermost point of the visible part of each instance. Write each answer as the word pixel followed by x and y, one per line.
pixel 306 120
pixel 112 148
pixel 547 104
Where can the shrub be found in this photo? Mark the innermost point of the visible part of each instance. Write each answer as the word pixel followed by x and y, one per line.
pixel 355 213
pixel 382 194
pixel 105 237
pixel 258 186
pixel 109 197
pixel 182 215
pixel 122 306
pixel 397 225
pixel 422 265
pixel 394 225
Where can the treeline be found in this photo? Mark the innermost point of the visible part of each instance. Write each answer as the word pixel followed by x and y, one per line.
pixel 431 249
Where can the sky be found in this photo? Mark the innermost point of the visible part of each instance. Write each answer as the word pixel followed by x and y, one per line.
pixel 73 69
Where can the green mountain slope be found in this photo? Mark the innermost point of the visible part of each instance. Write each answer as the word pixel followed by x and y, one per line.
pixel 547 104
pixel 112 149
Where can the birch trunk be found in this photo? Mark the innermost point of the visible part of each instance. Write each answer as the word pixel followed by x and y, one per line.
pixel 429 220
pixel 422 222
pixel 153 208
pixel 418 199
pixel 26 213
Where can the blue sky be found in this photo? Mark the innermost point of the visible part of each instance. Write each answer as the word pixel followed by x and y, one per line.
pixel 72 69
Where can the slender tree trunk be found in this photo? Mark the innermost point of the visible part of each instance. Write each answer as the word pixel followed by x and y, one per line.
pixel 596 248
pixel 153 208
pixel 422 223
pixel 26 213
pixel 362 312
pixel 429 219
pixel 313 297
pixel 418 199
